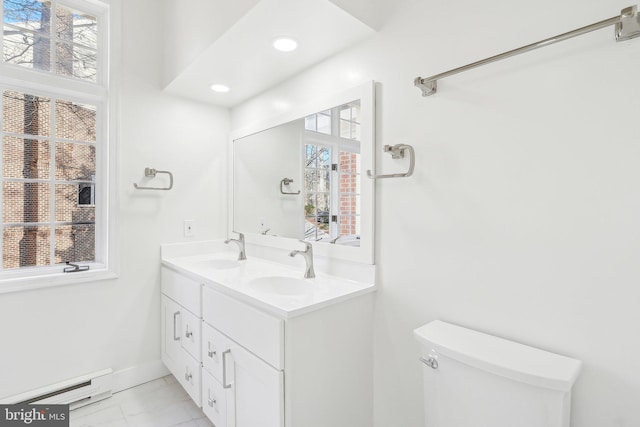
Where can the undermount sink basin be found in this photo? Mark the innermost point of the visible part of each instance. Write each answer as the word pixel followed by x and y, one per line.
pixel 281 285
pixel 220 264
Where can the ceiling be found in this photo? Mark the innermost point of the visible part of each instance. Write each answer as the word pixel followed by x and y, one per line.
pixel 239 52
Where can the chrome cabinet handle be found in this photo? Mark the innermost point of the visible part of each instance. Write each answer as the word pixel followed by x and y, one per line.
pixel 224 369
pixel 188 333
pixel 211 401
pixel 210 352
pixel 175 315
pixel 188 376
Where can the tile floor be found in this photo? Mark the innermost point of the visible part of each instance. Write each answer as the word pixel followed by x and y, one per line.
pixel 159 403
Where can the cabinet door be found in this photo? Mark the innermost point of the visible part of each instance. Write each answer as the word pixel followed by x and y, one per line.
pixel 171 327
pixel 258 390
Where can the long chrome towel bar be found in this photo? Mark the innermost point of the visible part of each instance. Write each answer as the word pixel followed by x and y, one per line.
pixel 627 27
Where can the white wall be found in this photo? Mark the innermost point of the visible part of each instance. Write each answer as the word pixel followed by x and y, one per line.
pixel 261 162
pixel 55 334
pixel 190 26
pixel 522 217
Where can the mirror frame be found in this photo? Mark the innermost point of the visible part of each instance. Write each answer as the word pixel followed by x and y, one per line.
pixel 363 253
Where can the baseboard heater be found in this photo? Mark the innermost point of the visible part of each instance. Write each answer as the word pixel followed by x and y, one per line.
pixel 75 392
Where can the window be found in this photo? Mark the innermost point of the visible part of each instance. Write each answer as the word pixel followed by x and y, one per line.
pixel 317 185
pixel 54 133
pixel 319 122
pixel 332 174
pixel 49 36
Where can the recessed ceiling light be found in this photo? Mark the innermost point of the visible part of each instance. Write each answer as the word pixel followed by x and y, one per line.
pixel 285 44
pixel 219 88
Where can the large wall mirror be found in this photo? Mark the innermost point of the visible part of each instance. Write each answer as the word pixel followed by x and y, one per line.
pixel 303 177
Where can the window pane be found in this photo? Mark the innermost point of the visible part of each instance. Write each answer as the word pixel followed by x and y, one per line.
pixel 75 162
pixel 355 131
pixel 25 246
pixel 75 121
pixel 25 202
pixel 76 27
pixel 348 162
pixel 25 49
pixel 348 225
pixel 324 122
pixel 86 194
pixel 25 158
pixel 75 61
pixel 311 180
pixel 323 181
pixel 317 180
pixel 311 156
pixel 26 114
pixel 31 14
pixel 348 183
pixel 310 122
pixel 317 157
pixel 68 208
pixel 324 158
pixel 75 243
pixel 347 205
pixel 345 129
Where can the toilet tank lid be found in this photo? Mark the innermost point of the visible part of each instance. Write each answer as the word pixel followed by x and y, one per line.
pixel 499 356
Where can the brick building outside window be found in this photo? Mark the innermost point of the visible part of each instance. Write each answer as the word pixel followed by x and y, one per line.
pixel 332 175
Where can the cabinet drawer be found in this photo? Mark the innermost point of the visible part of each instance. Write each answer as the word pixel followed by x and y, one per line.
pixel 191 333
pixel 188 372
pixel 214 401
pixel 260 333
pixel 213 345
pixel 181 289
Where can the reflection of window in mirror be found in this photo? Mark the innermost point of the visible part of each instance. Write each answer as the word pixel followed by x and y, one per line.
pixel 332 175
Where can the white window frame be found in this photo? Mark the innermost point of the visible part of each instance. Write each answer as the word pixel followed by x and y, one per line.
pixel 335 143
pixel 102 95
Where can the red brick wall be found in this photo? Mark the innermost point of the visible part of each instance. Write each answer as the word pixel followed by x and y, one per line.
pixel 348 191
pixel 30 158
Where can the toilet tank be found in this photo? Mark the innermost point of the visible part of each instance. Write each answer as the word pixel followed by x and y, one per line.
pixel 472 379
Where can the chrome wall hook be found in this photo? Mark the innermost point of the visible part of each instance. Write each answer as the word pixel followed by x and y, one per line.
pixel 397 152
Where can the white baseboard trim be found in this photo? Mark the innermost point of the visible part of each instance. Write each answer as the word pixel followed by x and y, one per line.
pixel 136 375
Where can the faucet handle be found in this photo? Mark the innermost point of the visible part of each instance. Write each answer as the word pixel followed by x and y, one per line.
pixel 308 245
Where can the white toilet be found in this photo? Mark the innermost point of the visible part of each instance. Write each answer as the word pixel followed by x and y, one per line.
pixel 473 379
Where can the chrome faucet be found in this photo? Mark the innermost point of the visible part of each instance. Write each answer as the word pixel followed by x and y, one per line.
pixel 240 241
pixel 308 258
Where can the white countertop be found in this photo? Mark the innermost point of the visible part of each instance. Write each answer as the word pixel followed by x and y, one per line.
pixel 244 280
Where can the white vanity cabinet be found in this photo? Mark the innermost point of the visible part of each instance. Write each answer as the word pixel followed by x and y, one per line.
pixel 261 367
pixel 181 330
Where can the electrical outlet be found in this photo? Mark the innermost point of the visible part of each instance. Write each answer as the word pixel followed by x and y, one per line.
pixel 189 228
pixel 263 228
